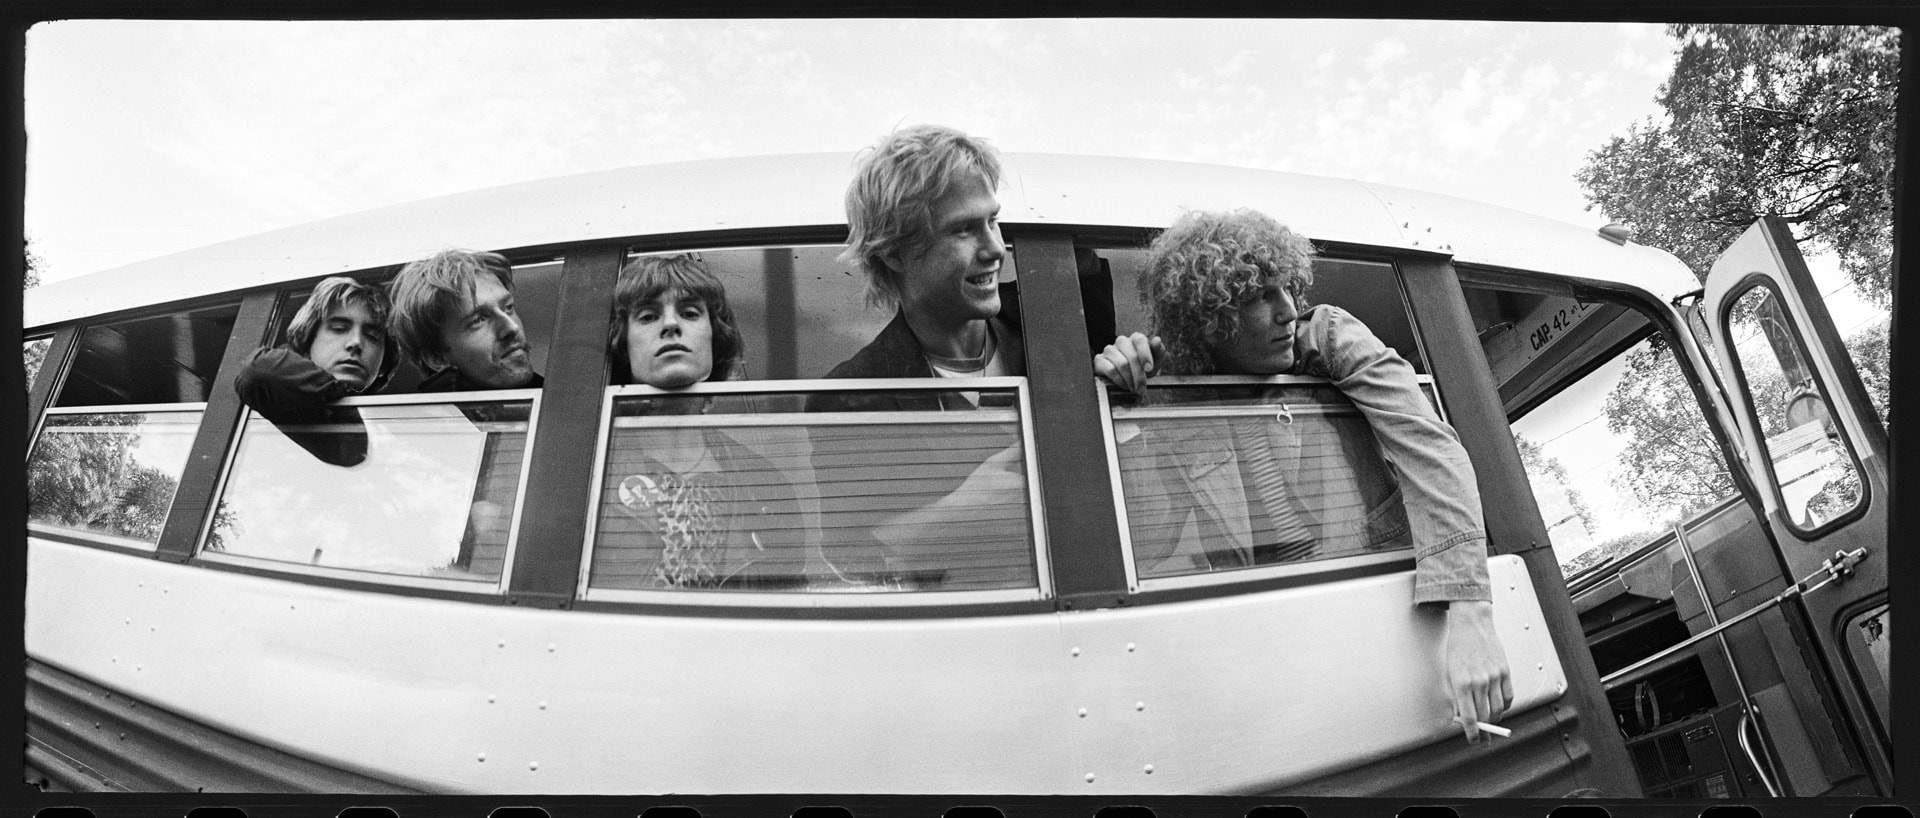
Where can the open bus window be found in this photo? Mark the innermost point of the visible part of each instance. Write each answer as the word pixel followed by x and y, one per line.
pixel 111 473
pixel 1812 466
pixel 727 490
pixel 171 358
pixel 1220 475
pixel 434 496
pixel 799 309
pixel 1370 290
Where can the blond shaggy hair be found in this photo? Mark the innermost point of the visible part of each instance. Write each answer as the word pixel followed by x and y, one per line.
pixel 1206 266
pixel 890 201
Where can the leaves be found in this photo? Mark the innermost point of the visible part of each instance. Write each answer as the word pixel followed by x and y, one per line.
pixel 1792 121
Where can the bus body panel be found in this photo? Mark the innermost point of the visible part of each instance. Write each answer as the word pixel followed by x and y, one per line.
pixel 730 197
pixel 448 695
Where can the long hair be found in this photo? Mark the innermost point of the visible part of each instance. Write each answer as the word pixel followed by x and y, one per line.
pixel 648 278
pixel 890 201
pixel 334 294
pixel 427 292
pixel 1207 265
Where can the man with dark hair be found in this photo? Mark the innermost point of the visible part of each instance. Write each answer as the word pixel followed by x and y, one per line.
pixel 337 345
pixel 454 314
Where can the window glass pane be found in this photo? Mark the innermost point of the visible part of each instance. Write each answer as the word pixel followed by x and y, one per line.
pixel 164 359
pixel 418 489
pixel 1223 477
pixel 1811 463
pixel 799 309
pixel 32 355
pixel 109 473
pixel 735 492
pixel 1367 289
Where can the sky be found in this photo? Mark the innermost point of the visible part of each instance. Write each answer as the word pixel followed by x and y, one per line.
pixel 150 137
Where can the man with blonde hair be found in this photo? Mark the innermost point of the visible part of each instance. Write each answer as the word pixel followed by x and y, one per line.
pixel 454 313
pixel 923 225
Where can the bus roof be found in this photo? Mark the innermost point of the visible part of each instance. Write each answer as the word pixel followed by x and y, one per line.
pixel 741 195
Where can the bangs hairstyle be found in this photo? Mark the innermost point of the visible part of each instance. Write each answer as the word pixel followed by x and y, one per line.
pixel 1206 266
pixel 332 295
pixel 426 293
pixel 646 279
pixel 890 201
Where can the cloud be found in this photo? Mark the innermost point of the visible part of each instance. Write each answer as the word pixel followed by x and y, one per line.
pixel 1383 54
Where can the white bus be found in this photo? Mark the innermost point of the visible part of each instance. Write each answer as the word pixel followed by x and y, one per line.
pixel 211 609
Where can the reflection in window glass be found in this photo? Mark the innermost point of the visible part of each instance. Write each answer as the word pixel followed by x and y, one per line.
pixel 169 358
pixel 735 492
pixel 432 491
pixel 109 473
pixel 32 355
pixel 1222 477
pixel 1811 464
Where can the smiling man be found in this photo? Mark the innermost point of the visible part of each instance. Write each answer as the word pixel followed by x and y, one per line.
pixel 923 225
pixel 454 313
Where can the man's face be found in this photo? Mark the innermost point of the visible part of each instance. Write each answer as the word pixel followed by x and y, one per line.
pixel 670 342
pixel 484 340
pixel 350 345
pixel 955 277
pixel 1262 342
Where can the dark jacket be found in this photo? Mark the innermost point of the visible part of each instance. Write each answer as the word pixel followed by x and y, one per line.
pixel 292 392
pixel 896 353
pixel 450 380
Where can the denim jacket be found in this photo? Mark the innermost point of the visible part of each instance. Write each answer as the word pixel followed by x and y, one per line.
pixel 1429 476
pixel 1436 479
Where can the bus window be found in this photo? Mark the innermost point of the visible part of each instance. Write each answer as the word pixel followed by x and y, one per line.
pixel 1221 474
pixel 1609 430
pixel 799 309
pixel 734 488
pixel 111 449
pixel 1369 290
pixel 433 494
pixel 1813 467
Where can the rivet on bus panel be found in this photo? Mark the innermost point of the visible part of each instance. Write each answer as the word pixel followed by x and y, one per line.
pixel 1149 769
pixel 483 758
pixel 533 765
pixel 1083 714
pixel 503 643
pixel 550 647
pixel 1076 651
pixel 543 705
pixel 1129 647
pixel 1142 706
pixel 490 698
pixel 1089 778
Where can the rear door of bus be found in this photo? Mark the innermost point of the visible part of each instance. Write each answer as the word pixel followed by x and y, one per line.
pixel 1817 452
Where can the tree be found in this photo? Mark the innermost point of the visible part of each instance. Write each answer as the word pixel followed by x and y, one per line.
pixel 34 353
pixel 1671 458
pixel 1790 121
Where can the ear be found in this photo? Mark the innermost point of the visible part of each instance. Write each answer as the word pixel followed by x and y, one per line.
pixel 892 261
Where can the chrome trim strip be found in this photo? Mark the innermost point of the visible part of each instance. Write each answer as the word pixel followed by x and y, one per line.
pixel 783 419
pixel 34 527
pixel 850 598
pixel 129 408
pixel 472 586
pixel 830 385
pixel 1212 578
pixel 1100 389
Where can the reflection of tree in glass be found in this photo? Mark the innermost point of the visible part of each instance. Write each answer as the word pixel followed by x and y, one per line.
pixel 1671 459
pixel 87 479
pixel 225 522
pixel 1547 472
pixel 1840 494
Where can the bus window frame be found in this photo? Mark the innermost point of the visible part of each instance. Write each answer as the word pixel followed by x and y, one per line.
pixel 80 536
pixel 668 600
pixel 1747 409
pixel 1306 572
pixel 374 579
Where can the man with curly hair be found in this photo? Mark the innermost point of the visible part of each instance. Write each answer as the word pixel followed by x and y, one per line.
pixel 1226 294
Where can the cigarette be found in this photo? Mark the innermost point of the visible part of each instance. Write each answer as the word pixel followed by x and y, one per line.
pixel 1494 729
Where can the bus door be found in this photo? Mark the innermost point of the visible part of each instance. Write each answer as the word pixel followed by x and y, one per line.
pixel 1817 454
